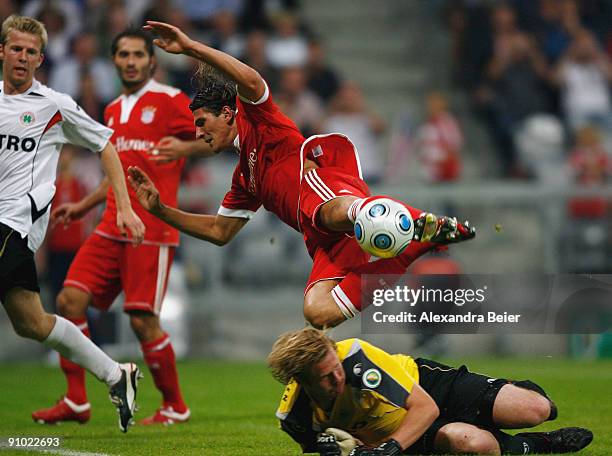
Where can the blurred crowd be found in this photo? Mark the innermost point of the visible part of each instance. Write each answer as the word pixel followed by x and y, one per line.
pixel 539 73
pixel 269 35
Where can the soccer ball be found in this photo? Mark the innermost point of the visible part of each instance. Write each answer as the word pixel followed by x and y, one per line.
pixel 384 227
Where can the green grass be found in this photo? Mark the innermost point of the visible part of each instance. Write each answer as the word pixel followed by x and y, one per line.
pixel 233 407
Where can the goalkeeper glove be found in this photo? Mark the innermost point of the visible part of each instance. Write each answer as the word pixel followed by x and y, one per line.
pixel 389 448
pixel 327 445
pixel 346 441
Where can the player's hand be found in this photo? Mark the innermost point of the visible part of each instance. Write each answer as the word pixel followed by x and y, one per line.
pixel 167 149
pixel 327 445
pixel 171 39
pixel 128 221
pixel 66 214
pixel 389 448
pixel 147 194
pixel 345 441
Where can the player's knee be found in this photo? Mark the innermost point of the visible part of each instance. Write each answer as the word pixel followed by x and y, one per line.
pixel 469 440
pixel 538 410
pixel 146 327
pixel 319 312
pixel 314 314
pixel 31 328
pixel 71 303
pixel 483 443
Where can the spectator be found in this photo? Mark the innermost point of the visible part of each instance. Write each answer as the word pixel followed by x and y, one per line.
pixel 70 9
pixel 225 36
pixel 559 20
pixel 177 69
pixel 515 87
pixel 159 10
pixel 590 165
pixel 66 76
pixel 287 47
pixel 255 56
pixel 202 13
pixel 440 141
pixel 470 33
pixel 402 140
pixel 7 7
pixel 88 98
pixel 108 18
pixel 322 79
pixel 299 103
pixel 60 35
pixel 350 116
pixel 584 74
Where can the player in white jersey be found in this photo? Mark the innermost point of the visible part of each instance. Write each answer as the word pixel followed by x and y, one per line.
pixel 35 122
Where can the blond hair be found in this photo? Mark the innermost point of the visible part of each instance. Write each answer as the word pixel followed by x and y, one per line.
pixel 295 352
pixel 24 24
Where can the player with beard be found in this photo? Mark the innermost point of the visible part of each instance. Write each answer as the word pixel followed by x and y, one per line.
pixel 147 117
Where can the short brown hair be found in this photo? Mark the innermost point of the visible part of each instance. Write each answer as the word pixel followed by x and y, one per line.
pixel 295 352
pixel 24 24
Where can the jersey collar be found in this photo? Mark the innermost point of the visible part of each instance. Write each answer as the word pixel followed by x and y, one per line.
pixel 140 92
pixel 35 86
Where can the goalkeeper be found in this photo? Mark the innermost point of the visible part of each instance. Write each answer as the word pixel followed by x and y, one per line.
pixel 351 398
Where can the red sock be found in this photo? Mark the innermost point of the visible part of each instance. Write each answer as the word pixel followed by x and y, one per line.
pixel 347 293
pixel 159 356
pixel 75 374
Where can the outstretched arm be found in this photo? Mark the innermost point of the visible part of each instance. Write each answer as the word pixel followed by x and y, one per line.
pixel 170 148
pixel 127 220
pixel 171 39
pixel 216 229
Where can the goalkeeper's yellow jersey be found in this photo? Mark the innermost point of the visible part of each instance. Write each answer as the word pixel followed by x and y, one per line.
pixel 372 404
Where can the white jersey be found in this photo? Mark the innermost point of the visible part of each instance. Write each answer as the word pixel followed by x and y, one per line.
pixel 33 127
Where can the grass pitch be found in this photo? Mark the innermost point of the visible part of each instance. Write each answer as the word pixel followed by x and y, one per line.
pixel 233 407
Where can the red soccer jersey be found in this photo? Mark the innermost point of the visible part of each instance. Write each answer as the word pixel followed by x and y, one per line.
pixel 268 172
pixel 140 120
pixel 67 238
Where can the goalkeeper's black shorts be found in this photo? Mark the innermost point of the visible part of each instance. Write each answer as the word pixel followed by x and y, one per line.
pixel 461 395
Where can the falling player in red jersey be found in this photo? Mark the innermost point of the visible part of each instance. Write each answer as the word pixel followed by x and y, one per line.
pixel 314 185
pixel 147 116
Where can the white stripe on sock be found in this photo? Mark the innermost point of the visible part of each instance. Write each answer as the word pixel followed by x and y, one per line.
pixel 163 344
pixel 354 209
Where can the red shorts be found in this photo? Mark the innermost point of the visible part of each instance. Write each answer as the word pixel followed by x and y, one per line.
pixel 333 254
pixel 103 267
pixel 336 261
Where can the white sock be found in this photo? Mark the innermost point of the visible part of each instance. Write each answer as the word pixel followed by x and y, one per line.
pixel 71 343
pixel 354 209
